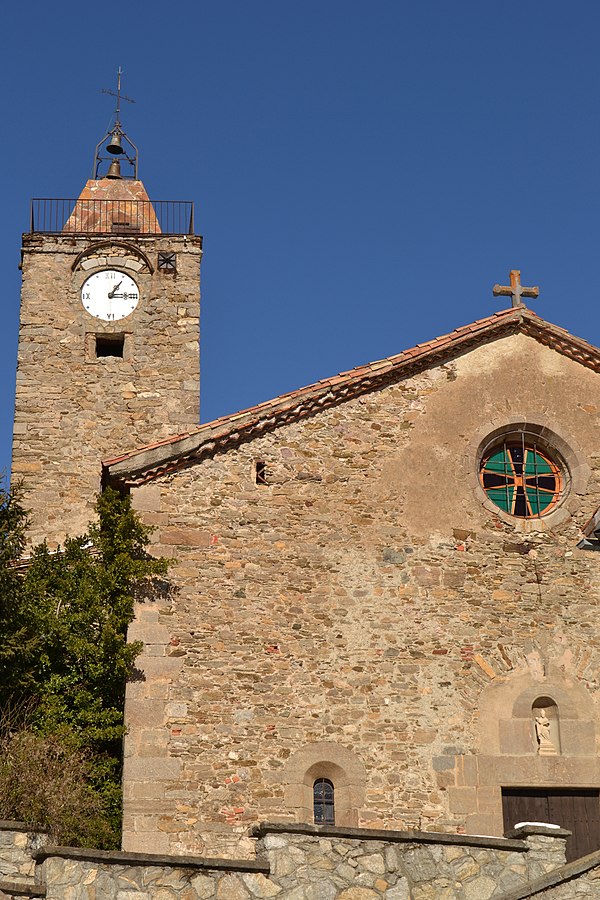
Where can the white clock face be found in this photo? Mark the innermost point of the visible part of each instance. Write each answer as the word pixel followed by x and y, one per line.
pixel 110 295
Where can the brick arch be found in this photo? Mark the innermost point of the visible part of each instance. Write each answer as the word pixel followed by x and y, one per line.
pixel 568 666
pixel 103 246
pixel 325 759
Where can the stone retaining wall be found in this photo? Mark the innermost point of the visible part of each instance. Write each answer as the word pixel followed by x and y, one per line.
pixel 93 875
pixel 18 843
pixel 360 864
pixel 308 863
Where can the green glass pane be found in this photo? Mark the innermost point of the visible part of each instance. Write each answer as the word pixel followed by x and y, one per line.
pixel 537 464
pixel 498 462
pixel 533 502
pixel 501 498
pixel 540 485
pixel 538 502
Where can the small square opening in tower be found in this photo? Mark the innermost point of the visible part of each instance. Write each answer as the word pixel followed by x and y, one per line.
pixel 110 345
pixel 261 472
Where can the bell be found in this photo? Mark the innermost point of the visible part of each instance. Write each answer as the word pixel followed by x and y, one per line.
pixel 114 170
pixel 114 144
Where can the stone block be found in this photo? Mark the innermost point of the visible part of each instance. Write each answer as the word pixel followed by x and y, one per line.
pixel 185 537
pixel 400 891
pixel 260 886
pixel 481 888
pixel 231 887
pixel 489 800
pixel 157 668
pixel 151 769
pixel 148 497
pixel 146 713
pixel 494 770
pixel 144 790
pixel 467 771
pixel 463 800
pixel 485 824
pixel 204 887
pixel 578 738
pixel 148 633
pixel 516 737
pixel 149 742
pixel 358 893
pixel 152 841
pixel 156 690
pixel 87 264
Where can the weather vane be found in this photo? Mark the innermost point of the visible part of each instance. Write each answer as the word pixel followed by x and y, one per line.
pixel 118 95
pixel 112 142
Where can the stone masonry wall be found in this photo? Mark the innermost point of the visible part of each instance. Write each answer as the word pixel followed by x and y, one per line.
pixel 73 409
pixel 17 844
pixel 586 887
pixel 313 864
pixel 365 617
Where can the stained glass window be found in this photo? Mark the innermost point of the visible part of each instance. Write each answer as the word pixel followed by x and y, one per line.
pixel 520 479
pixel 324 812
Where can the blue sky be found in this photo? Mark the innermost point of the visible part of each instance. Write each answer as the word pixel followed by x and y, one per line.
pixel 363 173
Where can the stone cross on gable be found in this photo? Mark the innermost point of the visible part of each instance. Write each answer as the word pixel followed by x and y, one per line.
pixel 515 290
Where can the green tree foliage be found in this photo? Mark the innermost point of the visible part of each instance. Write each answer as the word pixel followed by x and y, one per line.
pixel 64 656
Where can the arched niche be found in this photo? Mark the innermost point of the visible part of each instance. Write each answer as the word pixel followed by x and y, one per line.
pixel 505 753
pixel 546 726
pixel 334 763
pixel 505 723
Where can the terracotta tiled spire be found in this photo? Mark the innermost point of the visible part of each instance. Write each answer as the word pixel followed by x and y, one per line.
pixel 117 205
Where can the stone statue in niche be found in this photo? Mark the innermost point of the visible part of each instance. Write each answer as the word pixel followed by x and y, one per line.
pixel 546 746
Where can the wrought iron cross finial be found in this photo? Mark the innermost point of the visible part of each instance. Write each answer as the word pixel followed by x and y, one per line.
pixel 116 142
pixel 119 96
pixel 515 290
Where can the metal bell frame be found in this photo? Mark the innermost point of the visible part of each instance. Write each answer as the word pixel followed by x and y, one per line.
pixel 115 137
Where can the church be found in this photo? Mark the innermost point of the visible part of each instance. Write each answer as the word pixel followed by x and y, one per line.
pixel 384 613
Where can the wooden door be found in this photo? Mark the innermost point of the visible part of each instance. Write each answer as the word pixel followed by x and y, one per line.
pixel 577 810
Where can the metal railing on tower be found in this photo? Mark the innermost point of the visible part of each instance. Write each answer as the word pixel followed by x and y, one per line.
pixel 81 216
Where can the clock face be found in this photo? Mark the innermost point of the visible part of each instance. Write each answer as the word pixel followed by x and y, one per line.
pixel 110 295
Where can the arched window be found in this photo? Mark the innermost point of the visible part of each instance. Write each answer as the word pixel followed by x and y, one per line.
pixel 317 772
pixel 323 802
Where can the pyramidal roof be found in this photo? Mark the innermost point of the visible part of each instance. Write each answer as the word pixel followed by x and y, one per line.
pixel 153 460
pixel 107 204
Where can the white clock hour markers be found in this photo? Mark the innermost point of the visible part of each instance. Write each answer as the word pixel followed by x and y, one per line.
pixel 110 295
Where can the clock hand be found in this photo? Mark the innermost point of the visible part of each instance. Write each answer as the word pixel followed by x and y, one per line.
pixel 115 289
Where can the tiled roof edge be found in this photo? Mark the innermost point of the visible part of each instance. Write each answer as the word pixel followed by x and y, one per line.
pixel 161 457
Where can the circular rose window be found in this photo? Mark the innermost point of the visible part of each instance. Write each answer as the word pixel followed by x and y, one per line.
pixel 520 478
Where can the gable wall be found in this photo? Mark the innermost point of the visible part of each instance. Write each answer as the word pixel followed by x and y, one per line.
pixel 365 603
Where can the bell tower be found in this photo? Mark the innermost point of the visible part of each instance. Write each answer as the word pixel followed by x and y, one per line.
pixel 109 334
